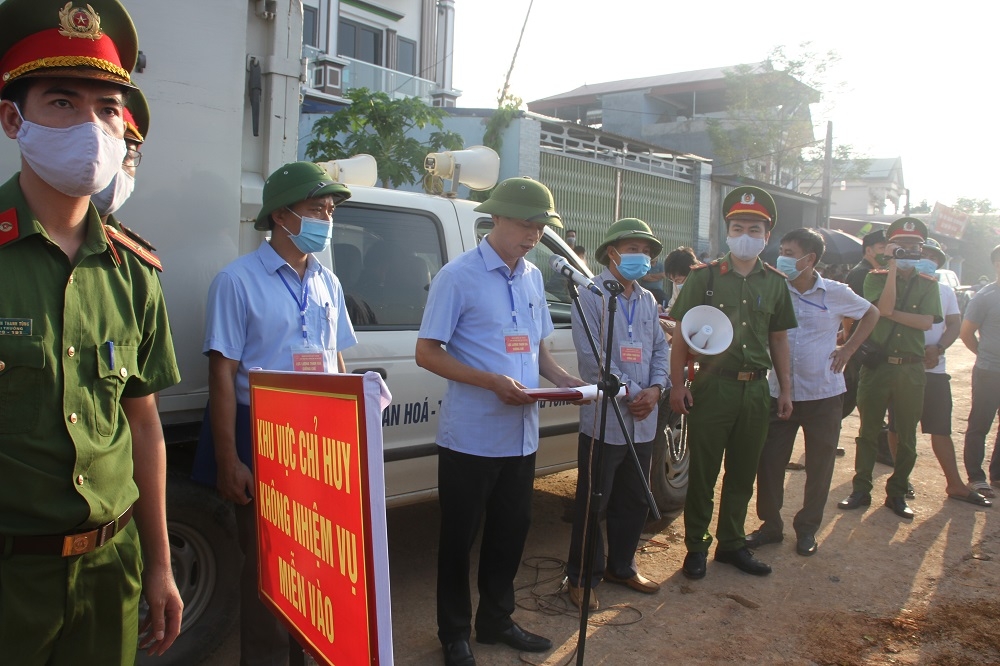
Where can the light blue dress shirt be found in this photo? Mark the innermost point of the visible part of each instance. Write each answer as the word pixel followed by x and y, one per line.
pixel 654 368
pixel 254 319
pixel 820 312
pixel 468 309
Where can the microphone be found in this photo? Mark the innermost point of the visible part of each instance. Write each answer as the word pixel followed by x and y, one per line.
pixel 558 263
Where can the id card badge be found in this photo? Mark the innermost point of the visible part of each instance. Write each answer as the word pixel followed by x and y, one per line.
pixel 516 341
pixel 308 359
pixel 631 352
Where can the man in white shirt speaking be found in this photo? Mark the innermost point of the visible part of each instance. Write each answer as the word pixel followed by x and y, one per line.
pixel 817 390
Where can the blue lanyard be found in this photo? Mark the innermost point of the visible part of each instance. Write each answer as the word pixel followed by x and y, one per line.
pixel 821 306
pixel 630 316
pixel 509 276
pixel 302 305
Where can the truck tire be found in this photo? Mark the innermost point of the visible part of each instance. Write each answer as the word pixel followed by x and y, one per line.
pixel 205 558
pixel 669 470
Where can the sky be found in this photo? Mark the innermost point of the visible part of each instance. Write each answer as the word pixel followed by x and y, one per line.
pixel 920 80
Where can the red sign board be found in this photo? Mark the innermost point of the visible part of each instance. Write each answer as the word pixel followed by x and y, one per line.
pixel 318 561
pixel 948 221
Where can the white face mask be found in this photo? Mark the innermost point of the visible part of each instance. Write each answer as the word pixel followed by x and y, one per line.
pixel 745 246
pixel 112 197
pixel 78 161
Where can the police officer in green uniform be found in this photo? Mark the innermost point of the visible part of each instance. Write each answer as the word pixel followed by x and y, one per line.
pixel 728 402
pixel 111 198
pixel 909 303
pixel 84 345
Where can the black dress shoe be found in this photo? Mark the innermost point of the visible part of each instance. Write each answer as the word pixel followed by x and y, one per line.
pixel 694 565
pixel 805 545
pixel 743 560
pixel 515 637
pixel 759 538
pixel 458 653
pixel 854 500
pixel 898 506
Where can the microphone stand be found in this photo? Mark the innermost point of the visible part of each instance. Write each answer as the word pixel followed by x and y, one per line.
pixel 609 385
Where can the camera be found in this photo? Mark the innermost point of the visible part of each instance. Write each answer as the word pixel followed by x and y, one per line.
pixel 903 253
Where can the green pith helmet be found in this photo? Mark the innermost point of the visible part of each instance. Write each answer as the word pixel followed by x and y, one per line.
pixel 629 227
pixel 295 182
pixel 907 227
pixel 750 200
pixel 522 198
pixel 935 248
pixel 91 40
pixel 136 116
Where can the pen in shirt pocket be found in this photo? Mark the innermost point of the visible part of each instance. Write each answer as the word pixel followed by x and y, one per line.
pixel 111 354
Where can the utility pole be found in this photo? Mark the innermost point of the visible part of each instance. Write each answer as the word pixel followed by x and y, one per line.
pixel 827 167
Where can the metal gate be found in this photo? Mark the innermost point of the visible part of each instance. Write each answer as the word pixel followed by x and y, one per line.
pixel 588 192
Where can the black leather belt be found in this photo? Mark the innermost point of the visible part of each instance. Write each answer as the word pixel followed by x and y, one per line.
pixel 742 376
pixel 65 545
pixel 903 360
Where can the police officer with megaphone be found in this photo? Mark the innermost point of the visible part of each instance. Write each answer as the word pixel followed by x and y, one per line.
pixel 728 401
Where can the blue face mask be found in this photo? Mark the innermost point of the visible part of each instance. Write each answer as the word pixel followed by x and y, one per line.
pixel 788 266
pixel 906 264
pixel 926 266
pixel 633 266
pixel 314 235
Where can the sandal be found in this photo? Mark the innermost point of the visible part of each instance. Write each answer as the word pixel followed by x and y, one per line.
pixel 973 498
pixel 983 489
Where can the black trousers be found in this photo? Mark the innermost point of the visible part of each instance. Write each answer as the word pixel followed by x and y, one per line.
pixel 263 639
pixel 820 421
pixel 470 487
pixel 623 502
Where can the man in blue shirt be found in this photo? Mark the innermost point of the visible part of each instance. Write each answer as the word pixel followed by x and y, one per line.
pixel 488 306
pixel 278 309
pixel 640 359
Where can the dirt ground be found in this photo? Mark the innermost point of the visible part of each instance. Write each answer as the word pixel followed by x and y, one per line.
pixel 879 590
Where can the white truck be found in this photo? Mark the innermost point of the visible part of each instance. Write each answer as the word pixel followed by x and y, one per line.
pixel 212 142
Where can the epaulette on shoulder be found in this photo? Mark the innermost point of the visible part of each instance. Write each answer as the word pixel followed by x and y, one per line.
pixel 126 241
pixel 932 278
pixel 879 271
pixel 772 268
pixel 137 238
pixel 698 267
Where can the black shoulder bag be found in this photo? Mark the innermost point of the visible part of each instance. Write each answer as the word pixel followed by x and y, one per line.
pixel 870 353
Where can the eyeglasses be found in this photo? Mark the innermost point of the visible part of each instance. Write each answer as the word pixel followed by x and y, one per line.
pixel 132 158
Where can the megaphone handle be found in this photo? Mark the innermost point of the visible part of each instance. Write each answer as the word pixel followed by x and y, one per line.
pixel 690 368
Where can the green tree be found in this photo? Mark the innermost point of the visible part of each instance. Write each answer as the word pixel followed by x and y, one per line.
pixel 768 120
pixel 968 205
pixel 381 126
pixel 922 207
pixel 981 235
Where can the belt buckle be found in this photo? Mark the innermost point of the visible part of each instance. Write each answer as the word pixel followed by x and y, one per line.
pixel 894 360
pixel 745 376
pixel 78 544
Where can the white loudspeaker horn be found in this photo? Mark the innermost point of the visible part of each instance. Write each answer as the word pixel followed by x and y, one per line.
pixel 355 170
pixel 478 167
pixel 707 330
